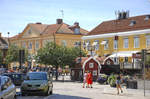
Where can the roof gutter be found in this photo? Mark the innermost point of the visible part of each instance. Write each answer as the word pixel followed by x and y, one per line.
pixel 107 35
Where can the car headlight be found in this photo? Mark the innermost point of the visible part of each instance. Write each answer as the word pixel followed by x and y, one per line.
pixel 44 84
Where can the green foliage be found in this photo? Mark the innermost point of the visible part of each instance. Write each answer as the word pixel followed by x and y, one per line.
pixel 1 57
pixel 13 54
pixel 148 60
pixel 112 80
pixel 56 55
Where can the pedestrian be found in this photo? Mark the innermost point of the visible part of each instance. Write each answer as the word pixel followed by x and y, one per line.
pixel 118 84
pixel 85 79
pixel 89 79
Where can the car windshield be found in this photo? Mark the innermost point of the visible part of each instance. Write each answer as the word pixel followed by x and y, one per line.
pixel 37 76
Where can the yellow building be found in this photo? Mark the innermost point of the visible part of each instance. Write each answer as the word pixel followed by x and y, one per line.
pixel 119 39
pixel 35 36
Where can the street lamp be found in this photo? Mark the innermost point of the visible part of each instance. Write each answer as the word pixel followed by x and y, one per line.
pixel 78 44
pixel 91 48
pixel 8 37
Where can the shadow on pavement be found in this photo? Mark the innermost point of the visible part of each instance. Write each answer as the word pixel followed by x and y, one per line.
pixel 59 96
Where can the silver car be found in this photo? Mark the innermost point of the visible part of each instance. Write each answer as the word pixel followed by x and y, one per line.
pixel 7 88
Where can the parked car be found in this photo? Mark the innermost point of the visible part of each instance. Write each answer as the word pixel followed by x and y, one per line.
pixel 17 78
pixel 7 88
pixel 37 83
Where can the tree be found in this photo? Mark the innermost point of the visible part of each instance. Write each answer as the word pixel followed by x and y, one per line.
pixel 56 55
pixel 1 57
pixel 13 54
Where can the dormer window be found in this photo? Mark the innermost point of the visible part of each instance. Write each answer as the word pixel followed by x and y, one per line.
pixel 29 32
pixel 147 17
pixel 77 30
pixel 132 22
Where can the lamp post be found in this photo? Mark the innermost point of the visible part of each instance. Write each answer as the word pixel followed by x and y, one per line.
pixel 8 37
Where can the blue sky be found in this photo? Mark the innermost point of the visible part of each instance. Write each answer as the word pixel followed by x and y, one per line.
pixel 16 14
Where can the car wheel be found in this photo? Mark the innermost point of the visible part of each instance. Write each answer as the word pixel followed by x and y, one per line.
pixel 51 92
pixel 23 94
pixel 15 97
pixel 48 92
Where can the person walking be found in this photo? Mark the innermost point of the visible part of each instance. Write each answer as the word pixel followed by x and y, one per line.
pixel 85 79
pixel 89 79
pixel 118 82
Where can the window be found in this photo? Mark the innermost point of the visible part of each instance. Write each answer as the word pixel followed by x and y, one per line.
pixel 96 44
pixel 30 45
pixel 91 65
pixel 88 45
pixel 132 22
pixel 64 43
pixel 24 45
pixel 147 41
pixel 115 44
pixel 77 44
pixel 94 72
pixel 29 31
pixel 125 42
pixel 106 45
pixel 77 30
pixel 36 45
pixel 136 42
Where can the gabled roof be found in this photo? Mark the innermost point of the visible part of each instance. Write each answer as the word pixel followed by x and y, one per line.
pixel 44 29
pixel 122 25
pixel 61 29
pixel 38 27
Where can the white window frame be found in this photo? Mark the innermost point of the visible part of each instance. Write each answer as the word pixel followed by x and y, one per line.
pixel 77 30
pixel 115 44
pixel 136 42
pixel 106 46
pixel 24 44
pixel 64 42
pixel 147 41
pixel 97 45
pixel 94 72
pixel 126 42
pixel 37 43
pixel 30 45
pixel 87 45
pixel 91 65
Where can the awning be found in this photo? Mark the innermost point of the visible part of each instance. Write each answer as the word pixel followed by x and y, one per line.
pixel 123 54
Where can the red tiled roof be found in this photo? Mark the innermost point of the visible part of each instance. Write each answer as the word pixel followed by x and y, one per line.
pixel 38 27
pixel 61 29
pixel 121 25
pixel 50 29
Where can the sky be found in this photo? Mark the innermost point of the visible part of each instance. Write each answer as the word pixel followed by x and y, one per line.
pixel 16 14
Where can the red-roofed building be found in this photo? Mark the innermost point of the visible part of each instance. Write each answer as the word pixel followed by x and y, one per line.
pixel 87 64
pixel 35 36
pixel 121 38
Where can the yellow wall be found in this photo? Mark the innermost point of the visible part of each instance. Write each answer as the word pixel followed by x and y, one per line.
pixel 69 38
pixel 110 50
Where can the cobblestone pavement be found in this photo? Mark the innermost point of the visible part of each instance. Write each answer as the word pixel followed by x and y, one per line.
pixel 74 90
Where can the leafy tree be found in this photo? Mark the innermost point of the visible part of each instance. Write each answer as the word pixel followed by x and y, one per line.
pixel 13 54
pixel 1 57
pixel 56 55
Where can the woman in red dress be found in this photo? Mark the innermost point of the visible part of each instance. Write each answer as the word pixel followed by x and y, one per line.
pixel 90 79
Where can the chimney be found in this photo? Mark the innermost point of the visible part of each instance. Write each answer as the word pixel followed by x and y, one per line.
pixel 123 15
pixel 38 23
pixel 59 21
